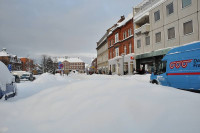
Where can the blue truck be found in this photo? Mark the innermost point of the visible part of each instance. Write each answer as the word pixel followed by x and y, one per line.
pixel 180 68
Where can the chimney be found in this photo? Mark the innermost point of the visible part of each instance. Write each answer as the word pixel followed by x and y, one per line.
pixel 121 19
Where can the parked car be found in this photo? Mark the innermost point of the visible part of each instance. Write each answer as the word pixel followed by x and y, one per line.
pixel 180 68
pixel 27 76
pixel 7 82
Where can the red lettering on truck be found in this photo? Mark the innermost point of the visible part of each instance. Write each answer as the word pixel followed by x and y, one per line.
pixel 178 64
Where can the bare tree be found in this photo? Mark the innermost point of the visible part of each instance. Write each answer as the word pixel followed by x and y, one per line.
pixel 48 64
pixel 43 63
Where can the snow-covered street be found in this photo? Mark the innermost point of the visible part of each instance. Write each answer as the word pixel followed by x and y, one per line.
pixel 81 103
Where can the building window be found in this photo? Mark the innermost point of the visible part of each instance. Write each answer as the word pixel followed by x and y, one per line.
pixel 110 43
pixel 158 37
pixel 110 54
pixel 170 8
pixel 113 42
pixel 188 27
pixel 124 49
pixel 129 48
pixel 147 39
pixel 129 32
pixel 113 68
pixel 171 33
pixel 117 51
pixel 116 37
pixel 186 3
pixel 157 15
pixel 124 34
pixel 138 43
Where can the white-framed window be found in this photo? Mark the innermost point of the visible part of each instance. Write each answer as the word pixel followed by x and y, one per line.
pixel 130 48
pixel 117 51
pixel 158 37
pixel 186 3
pixel 171 33
pixel 138 43
pixel 113 68
pixel 147 39
pixel 170 8
pixel 124 35
pixel 125 49
pixel 110 54
pixel 157 15
pixel 116 37
pixel 129 32
pixel 187 27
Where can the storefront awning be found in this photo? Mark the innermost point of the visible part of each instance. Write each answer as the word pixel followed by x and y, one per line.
pixel 152 54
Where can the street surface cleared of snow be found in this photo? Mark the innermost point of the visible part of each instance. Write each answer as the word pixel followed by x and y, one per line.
pixel 81 103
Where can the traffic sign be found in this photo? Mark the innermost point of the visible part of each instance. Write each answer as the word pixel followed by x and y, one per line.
pixel 9 67
pixel 60 66
pixel 132 58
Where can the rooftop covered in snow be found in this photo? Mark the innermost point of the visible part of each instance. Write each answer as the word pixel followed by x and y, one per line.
pixel 71 60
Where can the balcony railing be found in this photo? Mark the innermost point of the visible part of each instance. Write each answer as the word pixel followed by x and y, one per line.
pixel 143 29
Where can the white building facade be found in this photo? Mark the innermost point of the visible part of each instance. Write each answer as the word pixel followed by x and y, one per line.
pixel 161 25
pixel 102 55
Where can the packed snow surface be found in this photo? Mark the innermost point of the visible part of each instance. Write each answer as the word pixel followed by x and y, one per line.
pixel 99 104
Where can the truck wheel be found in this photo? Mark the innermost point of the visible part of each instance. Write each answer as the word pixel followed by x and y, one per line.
pixel 154 82
pixel 6 97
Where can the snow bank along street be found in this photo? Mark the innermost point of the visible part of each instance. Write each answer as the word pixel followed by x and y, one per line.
pixel 99 104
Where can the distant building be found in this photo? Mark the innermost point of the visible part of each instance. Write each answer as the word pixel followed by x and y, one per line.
pixel 9 59
pixel 71 64
pixel 27 64
pixel 93 67
pixel 102 55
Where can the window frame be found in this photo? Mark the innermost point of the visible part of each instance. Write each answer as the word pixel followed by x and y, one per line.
pixel 186 5
pixel 167 10
pixel 158 11
pixel 125 49
pixel 146 40
pixel 130 47
pixel 168 33
pixel 156 37
pixel 184 28
pixel 139 46
pixel 117 37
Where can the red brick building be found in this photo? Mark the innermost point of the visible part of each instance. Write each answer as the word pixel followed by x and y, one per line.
pixel 121 46
pixel 71 64
pixel 27 64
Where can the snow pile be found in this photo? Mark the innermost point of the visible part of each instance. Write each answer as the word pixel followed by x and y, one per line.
pixel 44 78
pixel 101 104
pixel 5 76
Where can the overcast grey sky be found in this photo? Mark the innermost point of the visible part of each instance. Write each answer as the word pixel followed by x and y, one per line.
pixel 57 27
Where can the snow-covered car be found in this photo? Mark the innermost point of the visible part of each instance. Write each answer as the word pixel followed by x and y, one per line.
pixel 7 82
pixel 27 76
